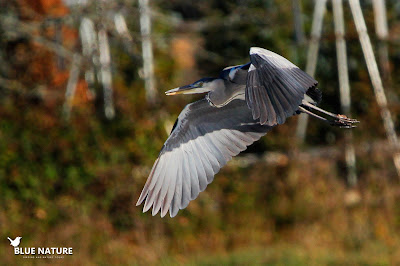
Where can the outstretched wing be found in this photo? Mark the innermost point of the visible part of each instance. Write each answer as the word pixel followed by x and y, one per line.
pixel 202 141
pixel 275 86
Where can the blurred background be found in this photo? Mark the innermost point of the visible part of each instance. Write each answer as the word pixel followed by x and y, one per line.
pixel 83 116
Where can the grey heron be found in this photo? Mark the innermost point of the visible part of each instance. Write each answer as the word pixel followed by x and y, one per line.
pixel 240 107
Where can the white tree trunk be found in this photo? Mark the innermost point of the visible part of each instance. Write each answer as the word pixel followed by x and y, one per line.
pixel 382 31
pixel 105 73
pixel 312 56
pixel 375 79
pixel 345 100
pixel 147 51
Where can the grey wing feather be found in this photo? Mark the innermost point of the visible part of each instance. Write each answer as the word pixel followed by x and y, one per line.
pixel 203 140
pixel 275 87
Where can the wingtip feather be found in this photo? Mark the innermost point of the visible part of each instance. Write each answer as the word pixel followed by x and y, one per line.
pixel 141 197
pixel 147 206
pixel 163 212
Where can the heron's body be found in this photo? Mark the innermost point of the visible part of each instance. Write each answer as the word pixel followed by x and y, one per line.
pixel 241 106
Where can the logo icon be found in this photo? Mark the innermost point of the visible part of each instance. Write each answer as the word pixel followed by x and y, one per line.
pixel 15 242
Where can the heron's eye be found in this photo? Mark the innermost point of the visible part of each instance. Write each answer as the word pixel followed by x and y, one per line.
pixel 199 84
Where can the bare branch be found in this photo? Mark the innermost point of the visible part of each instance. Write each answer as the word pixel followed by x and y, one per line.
pixel 71 86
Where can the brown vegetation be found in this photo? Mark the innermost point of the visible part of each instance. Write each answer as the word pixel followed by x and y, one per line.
pixel 75 183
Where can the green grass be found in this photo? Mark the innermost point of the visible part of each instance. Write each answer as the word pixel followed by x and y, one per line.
pixel 284 254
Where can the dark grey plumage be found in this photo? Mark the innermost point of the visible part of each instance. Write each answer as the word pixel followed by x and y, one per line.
pixel 275 86
pixel 241 106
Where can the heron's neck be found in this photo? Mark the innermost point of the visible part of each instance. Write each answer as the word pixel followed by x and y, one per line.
pixel 224 92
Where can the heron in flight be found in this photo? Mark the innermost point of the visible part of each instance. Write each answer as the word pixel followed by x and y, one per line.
pixel 240 107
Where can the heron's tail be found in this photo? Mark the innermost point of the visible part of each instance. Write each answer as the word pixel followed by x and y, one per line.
pixel 315 94
pixel 9 239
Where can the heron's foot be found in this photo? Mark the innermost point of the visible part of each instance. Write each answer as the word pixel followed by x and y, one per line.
pixel 343 121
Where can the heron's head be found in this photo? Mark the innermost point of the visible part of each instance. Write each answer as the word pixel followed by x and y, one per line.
pixel 200 86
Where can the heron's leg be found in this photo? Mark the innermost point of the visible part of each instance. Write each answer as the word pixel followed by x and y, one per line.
pixel 302 109
pixel 340 120
pixel 337 116
pixel 309 105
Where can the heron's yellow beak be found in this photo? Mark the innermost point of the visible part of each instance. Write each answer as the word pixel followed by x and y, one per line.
pixel 188 89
